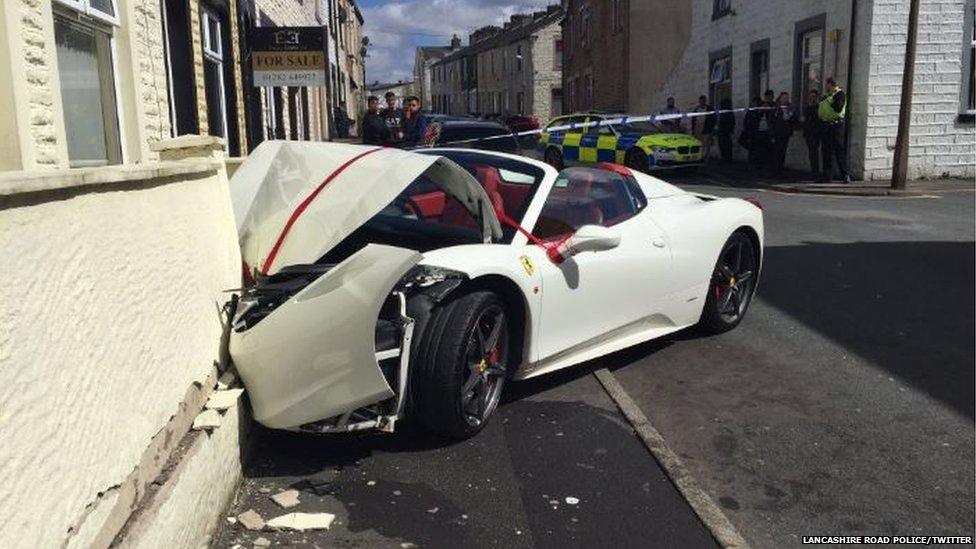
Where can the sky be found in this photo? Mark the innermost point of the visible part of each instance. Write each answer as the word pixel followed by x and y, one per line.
pixel 396 27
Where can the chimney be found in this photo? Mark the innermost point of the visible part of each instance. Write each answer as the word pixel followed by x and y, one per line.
pixel 455 42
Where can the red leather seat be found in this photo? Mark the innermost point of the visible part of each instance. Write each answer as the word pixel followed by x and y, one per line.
pixel 454 212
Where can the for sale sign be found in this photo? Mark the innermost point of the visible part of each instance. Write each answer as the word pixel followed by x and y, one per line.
pixel 288 56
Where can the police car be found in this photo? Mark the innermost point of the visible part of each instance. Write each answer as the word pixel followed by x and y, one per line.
pixel 641 146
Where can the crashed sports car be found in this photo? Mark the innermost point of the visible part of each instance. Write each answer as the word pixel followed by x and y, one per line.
pixel 382 283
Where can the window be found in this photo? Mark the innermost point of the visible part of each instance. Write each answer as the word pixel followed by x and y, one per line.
pixel 759 68
pixel 968 87
pixel 808 36
pixel 179 53
pixel 556 105
pixel 583 196
pixel 86 71
pixel 584 26
pixel 616 15
pixel 557 59
pixel 213 72
pixel 99 9
pixel 720 77
pixel 598 130
pixel 721 8
pixel 812 62
pixel 520 102
pixel 518 58
pixel 588 91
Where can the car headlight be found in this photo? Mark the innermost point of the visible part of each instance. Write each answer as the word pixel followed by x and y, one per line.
pixel 660 150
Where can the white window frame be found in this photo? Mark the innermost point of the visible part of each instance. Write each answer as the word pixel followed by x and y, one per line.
pixel 115 138
pixel 215 56
pixel 85 7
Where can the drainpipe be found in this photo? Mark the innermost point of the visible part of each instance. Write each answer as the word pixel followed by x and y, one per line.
pixel 850 83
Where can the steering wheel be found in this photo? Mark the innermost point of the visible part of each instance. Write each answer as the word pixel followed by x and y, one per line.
pixel 409 206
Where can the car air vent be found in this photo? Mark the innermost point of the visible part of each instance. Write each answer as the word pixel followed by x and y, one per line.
pixel 269 292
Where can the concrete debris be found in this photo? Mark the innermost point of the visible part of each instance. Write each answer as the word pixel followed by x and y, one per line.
pixel 571 500
pixel 222 400
pixel 264 490
pixel 232 520
pixel 251 520
pixel 286 499
pixel 371 483
pixel 302 521
pixel 320 487
pixel 207 419
pixel 226 381
pixel 433 510
pixel 262 542
pixel 408 545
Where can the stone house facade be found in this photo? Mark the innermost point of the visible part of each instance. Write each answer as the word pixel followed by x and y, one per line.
pixel 423 68
pixel 104 80
pixel 517 68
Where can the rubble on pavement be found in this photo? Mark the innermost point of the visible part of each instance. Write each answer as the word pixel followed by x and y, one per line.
pixel 302 521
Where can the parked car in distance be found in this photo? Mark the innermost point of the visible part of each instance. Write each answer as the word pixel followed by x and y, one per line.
pixel 455 132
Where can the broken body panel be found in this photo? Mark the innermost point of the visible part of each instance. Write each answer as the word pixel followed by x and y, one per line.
pixel 303 337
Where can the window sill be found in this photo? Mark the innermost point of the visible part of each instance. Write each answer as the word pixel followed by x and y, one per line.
pixel 718 15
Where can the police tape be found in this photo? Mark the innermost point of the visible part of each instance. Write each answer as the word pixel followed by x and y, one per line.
pixel 433 132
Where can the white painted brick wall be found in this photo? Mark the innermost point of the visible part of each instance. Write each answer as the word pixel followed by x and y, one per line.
pixel 940 145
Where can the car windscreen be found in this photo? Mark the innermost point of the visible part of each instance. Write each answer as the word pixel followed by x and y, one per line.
pixel 639 127
pixel 450 134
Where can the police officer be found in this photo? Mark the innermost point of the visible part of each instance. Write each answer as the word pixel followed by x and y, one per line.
pixel 831 112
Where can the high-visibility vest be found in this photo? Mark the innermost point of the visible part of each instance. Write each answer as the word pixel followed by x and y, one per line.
pixel 826 112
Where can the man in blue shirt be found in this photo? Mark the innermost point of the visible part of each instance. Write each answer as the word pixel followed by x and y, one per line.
pixel 414 122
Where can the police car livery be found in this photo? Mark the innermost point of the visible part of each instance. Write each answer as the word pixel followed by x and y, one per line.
pixel 641 146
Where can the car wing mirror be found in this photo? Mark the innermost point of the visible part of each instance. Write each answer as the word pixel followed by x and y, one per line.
pixel 588 238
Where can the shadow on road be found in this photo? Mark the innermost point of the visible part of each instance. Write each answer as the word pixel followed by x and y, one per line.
pixel 905 306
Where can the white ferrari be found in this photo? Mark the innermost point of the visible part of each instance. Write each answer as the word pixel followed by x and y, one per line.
pixel 381 283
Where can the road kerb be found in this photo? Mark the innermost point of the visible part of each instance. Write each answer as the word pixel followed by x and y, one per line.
pixel 710 514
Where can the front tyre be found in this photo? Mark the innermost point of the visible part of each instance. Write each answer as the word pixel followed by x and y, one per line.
pixel 554 157
pixel 461 365
pixel 732 285
pixel 636 160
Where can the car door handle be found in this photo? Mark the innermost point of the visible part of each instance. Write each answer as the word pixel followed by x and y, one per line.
pixel 659 243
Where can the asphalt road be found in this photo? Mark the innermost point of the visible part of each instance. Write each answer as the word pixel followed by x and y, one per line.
pixel 842 405
pixel 552 439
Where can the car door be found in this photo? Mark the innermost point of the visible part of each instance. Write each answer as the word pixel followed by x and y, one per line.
pixel 569 140
pixel 598 143
pixel 595 297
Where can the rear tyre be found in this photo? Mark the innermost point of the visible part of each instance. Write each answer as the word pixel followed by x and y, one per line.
pixel 636 159
pixel 554 157
pixel 461 365
pixel 732 285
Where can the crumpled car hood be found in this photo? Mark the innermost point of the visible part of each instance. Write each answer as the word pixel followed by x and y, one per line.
pixel 295 200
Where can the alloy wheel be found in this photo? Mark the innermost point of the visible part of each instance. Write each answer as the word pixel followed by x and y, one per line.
pixel 733 278
pixel 485 365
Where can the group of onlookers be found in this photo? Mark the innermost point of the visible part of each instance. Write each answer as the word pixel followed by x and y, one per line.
pixel 394 126
pixel 769 125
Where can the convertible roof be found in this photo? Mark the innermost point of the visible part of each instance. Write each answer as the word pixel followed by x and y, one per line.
pixel 295 200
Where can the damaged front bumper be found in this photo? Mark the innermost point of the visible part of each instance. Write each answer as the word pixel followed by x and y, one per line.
pixel 314 355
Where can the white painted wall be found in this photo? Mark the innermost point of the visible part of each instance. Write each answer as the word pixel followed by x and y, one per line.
pixel 108 312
